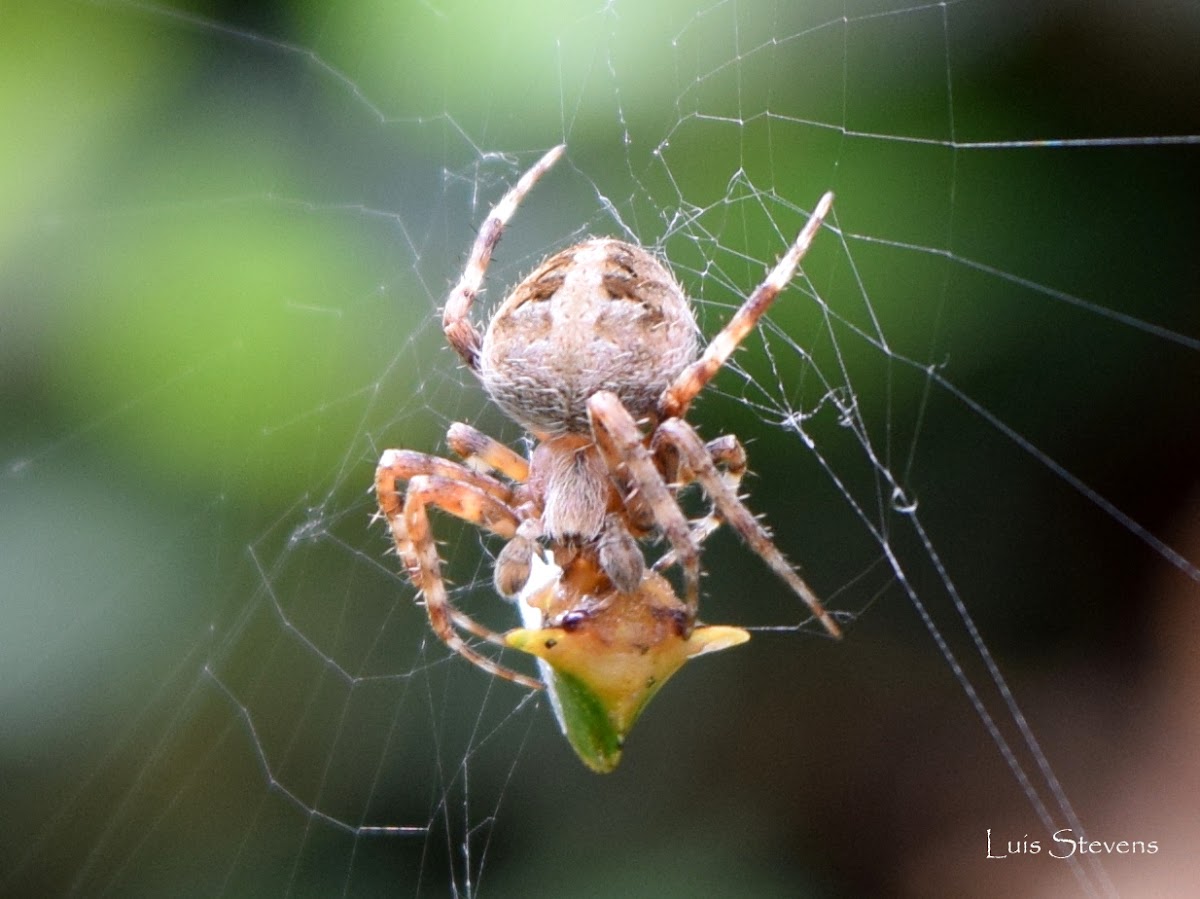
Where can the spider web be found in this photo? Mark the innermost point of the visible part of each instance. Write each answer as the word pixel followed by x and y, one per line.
pixel 971 419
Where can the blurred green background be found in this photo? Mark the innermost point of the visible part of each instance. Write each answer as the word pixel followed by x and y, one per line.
pixel 225 234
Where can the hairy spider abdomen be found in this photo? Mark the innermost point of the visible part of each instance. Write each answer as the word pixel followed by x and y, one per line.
pixel 602 315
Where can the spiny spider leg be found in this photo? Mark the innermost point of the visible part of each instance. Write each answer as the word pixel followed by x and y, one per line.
pixel 463 335
pixel 402 465
pixel 620 442
pixel 695 460
pixel 470 506
pixel 477 448
pixel 676 398
pixel 413 537
pixel 729 456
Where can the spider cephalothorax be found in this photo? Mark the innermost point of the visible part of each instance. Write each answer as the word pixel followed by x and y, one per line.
pixel 596 354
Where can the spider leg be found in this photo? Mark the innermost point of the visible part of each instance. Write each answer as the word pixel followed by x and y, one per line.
pixel 413 537
pixel 402 465
pixel 463 335
pixel 675 399
pixel 513 565
pixel 621 444
pixel 730 458
pixel 477 448
pixel 407 465
pixel 696 459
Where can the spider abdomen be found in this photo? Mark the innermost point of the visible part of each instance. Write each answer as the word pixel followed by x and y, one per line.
pixel 601 315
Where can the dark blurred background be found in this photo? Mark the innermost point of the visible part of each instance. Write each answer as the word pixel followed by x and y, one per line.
pixel 225 234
